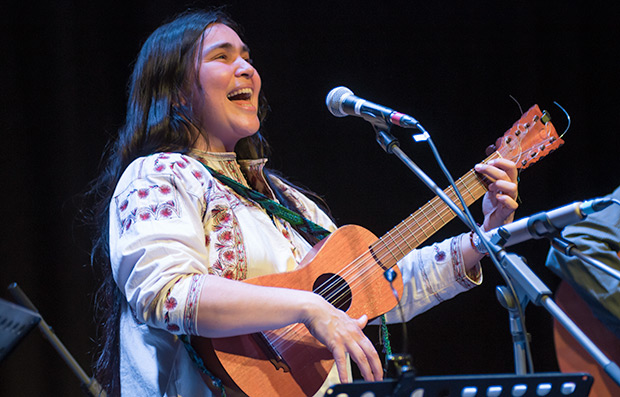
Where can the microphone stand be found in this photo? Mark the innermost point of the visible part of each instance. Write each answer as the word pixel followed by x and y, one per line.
pixel 517 319
pixel 525 284
pixel 399 365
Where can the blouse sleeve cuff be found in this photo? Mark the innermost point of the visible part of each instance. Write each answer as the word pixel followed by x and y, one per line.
pixel 178 305
pixel 468 278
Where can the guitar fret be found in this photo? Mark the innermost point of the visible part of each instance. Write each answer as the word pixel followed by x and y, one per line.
pixel 405 239
pixel 412 234
pixel 437 212
pixel 429 221
pixel 419 226
pixel 397 246
pixel 467 189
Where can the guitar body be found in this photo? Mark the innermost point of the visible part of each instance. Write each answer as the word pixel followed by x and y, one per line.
pixel 344 259
pixel 572 357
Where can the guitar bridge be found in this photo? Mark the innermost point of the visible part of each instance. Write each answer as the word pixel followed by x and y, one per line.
pixel 272 354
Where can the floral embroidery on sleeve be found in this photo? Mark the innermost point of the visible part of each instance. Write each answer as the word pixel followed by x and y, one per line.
pixel 169 305
pixel 223 237
pixel 153 202
pixel 228 244
pixel 191 306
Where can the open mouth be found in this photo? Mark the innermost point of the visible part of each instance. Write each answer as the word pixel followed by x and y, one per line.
pixel 242 94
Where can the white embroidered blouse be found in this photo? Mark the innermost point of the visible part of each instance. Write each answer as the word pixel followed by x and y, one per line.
pixel 171 223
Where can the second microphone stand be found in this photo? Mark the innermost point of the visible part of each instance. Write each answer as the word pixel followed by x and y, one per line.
pixel 530 288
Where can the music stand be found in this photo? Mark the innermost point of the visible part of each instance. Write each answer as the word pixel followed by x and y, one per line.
pixel 15 322
pixel 553 384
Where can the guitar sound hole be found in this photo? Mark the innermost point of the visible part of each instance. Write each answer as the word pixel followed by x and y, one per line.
pixel 334 289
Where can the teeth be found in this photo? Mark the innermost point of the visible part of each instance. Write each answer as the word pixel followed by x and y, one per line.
pixel 241 91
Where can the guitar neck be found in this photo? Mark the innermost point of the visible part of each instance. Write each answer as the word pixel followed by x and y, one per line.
pixel 432 216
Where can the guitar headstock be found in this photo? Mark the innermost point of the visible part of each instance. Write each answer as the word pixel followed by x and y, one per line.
pixel 529 139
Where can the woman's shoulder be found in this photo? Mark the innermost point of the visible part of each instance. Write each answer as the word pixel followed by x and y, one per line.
pixel 167 165
pixel 303 202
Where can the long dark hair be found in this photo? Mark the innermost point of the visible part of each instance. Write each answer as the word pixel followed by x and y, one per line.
pixel 159 118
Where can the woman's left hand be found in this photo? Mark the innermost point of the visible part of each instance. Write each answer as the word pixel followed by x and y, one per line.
pixel 500 201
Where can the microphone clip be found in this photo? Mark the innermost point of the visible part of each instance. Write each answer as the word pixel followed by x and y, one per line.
pixel 384 138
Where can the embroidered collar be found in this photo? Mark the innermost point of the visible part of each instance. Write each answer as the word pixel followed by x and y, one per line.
pixel 247 172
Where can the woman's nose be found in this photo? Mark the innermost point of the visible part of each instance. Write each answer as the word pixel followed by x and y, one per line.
pixel 244 68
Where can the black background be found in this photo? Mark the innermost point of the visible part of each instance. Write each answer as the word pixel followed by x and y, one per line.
pixel 452 65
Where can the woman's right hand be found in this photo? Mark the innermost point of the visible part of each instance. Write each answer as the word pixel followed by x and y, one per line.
pixel 342 334
pixel 230 308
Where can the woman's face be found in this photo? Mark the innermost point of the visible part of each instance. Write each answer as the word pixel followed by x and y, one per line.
pixel 230 88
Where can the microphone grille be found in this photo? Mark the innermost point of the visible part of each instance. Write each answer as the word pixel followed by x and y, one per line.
pixel 335 98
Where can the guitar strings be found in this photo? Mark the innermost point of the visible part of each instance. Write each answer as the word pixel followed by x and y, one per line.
pixel 360 267
pixel 364 272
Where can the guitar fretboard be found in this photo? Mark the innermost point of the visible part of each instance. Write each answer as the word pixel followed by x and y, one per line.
pixel 426 221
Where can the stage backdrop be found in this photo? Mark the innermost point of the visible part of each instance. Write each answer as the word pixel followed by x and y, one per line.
pixel 464 70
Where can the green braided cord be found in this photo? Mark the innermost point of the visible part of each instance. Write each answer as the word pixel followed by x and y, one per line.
pixel 387 347
pixel 271 206
pixel 201 365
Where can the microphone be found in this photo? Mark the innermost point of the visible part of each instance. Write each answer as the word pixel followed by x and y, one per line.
pixel 544 224
pixel 341 102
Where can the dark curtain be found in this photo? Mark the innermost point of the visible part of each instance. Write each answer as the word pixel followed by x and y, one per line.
pixel 463 69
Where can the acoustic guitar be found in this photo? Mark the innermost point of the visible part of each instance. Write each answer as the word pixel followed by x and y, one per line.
pixel 347 269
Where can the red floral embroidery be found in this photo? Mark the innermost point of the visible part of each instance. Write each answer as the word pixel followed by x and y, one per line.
pixel 225 236
pixel 170 304
pixel 231 260
pixel 439 255
pixel 160 167
pixel 153 210
pixel 228 255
